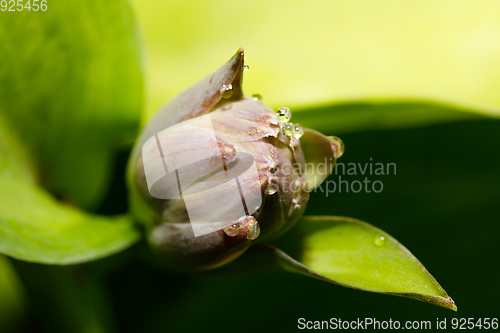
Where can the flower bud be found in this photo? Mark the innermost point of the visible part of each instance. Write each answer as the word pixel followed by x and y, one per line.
pixel 215 171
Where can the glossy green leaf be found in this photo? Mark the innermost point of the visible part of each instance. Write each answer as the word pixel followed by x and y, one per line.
pixel 35 227
pixel 346 252
pixel 303 54
pixel 357 115
pixel 15 162
pixel 11 296
pixel 355 254
pixel 71 89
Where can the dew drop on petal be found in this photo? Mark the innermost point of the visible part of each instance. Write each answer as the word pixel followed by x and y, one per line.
pixel 337 146
pixel 253 227
pixel 246 68
pixel 298 131
pixel 271 189
pixel 257 97
pixel 288 129
pixel 273 185
pixel 232 230
pixel 253 130
pixel 226 90
pixel 255 232
pixel 284 114
pixel 379 241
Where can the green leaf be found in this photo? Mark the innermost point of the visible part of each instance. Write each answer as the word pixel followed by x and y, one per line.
pixel 72 90
pixel 34 227
pixel 11 296
pixel 358 115
pixel 346 252
pixel 355 254
pixel 15 163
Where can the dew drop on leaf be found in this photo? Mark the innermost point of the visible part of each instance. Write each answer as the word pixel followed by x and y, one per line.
pixel 379 241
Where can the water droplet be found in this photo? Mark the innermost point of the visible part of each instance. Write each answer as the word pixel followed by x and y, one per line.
pixel 257 97
pixel 271 189
pixel 232 230
pixel 288 129
pixel 379 240
pixel 252 130
pixel 254 232
pixel 252 227
pixel 246 68
pixel 337 146
pixel 226 90
pixel 284 114
pixel 273 185
pixel 298 131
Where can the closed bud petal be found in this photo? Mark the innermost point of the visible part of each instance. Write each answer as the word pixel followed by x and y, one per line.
pixel 215 171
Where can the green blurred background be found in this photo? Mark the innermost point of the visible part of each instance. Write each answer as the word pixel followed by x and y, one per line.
pixel 414 83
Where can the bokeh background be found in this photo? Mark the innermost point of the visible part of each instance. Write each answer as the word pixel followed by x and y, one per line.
pixel 415 83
